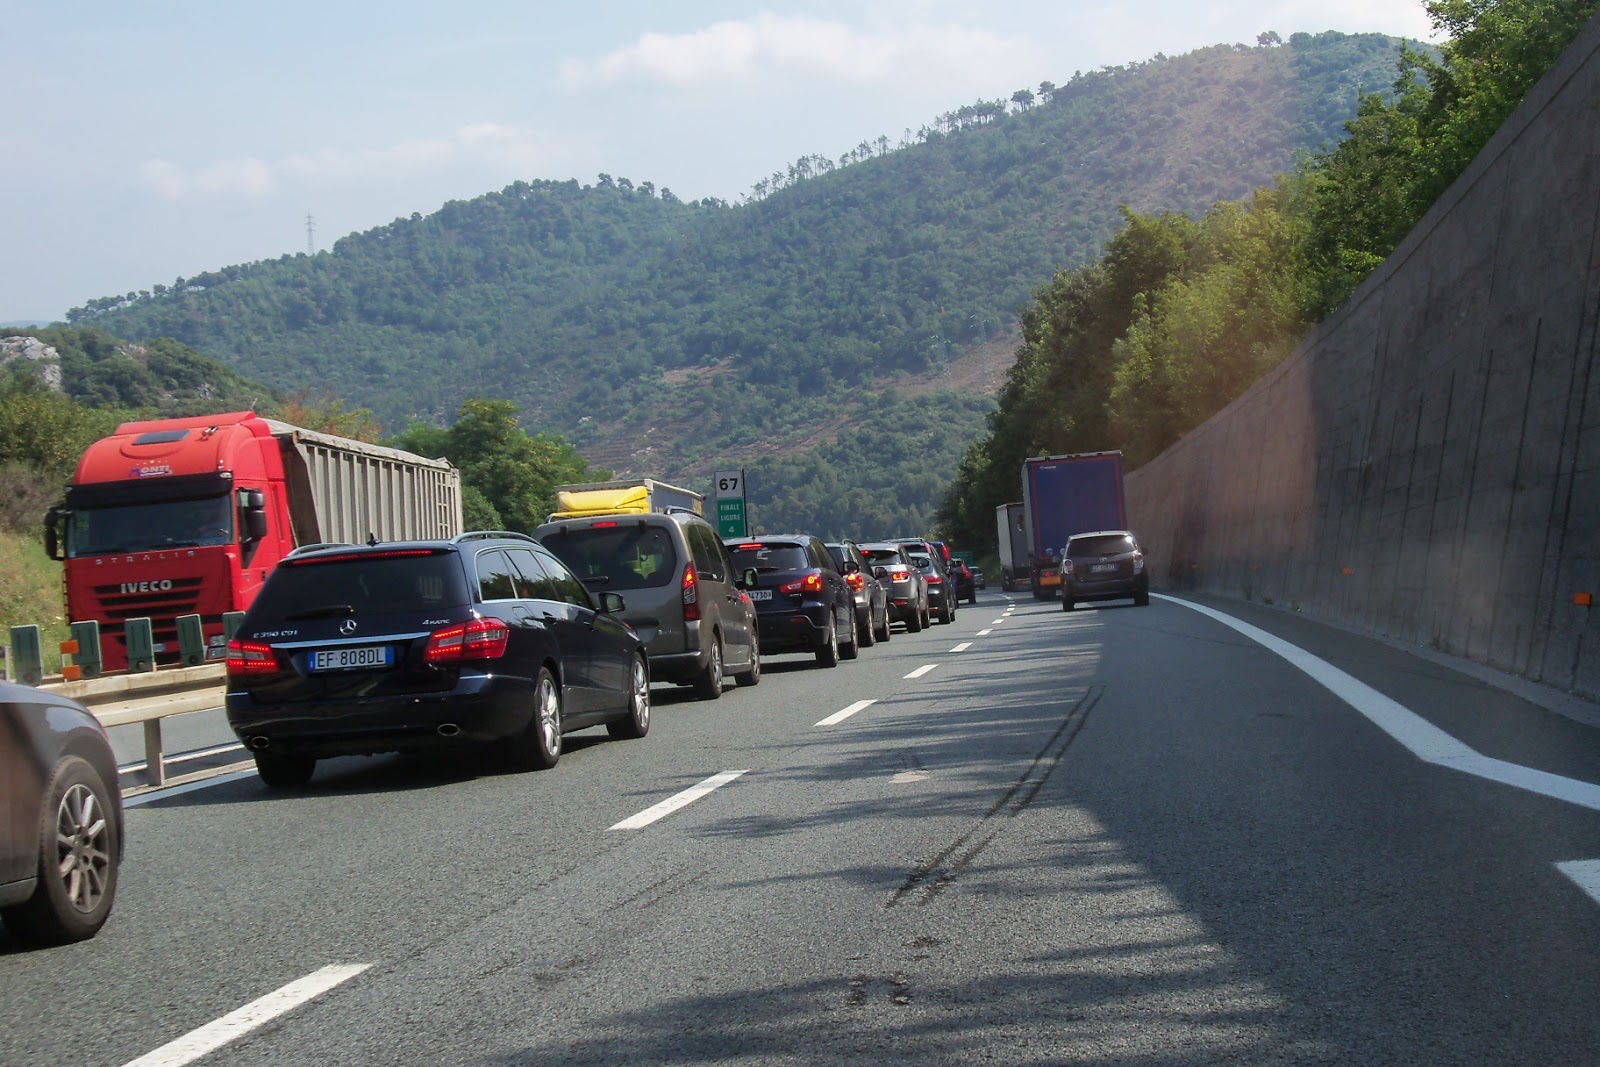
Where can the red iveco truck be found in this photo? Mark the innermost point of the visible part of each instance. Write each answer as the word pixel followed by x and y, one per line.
pixel 188 516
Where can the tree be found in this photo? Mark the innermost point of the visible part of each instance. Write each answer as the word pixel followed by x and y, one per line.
pixel 1023 98
pixel 1269 39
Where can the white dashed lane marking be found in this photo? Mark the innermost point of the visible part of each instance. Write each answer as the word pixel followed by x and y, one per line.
pixel 840 716
pixel 920 671
pixel 680 800
pixel 962 647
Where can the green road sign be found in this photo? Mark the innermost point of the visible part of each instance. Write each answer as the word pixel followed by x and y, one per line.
pixel 730 504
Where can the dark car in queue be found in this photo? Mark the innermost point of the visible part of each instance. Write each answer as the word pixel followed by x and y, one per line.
pixel 486 638
pixel 803 603
pixel 60 818
pixel 872 601
pixel 966 584
pixel 1103 565
pixel 905 590
pixel 941 590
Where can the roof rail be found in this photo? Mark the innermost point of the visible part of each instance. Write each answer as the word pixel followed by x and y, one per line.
pixel 485 535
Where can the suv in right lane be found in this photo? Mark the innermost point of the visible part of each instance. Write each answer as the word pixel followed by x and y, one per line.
pixel 803 603
pixel 1104 565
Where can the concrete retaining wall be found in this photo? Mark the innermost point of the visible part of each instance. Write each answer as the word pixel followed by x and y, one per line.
pixel 1427 464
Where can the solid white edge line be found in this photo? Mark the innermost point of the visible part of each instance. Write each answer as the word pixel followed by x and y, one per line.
pixel 840 716
pixel 962 647
pixel 1419 736
pixel 673 803
pixel 1585 874
pixel 187 787
pixel 920 671
pixel 235 1024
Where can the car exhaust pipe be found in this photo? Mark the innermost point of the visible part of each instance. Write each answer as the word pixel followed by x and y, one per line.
pixel 448 729
pixel 260 744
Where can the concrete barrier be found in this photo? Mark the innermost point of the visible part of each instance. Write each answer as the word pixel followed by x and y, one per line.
pixel 1427 464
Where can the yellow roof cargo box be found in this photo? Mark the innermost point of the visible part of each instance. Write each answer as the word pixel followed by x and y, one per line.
pixel 632 497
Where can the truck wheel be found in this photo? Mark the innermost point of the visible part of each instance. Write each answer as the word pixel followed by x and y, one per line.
pixel 77 847
pixel 279 771
pixel 708 683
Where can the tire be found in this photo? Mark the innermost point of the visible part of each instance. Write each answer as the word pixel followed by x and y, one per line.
pixel 1141 596
pixel 828 654
pixel 914 620
pixel 947 613
pixel 708 683
pixel 279 771
pixel 753 675
pixel 637 722
pixel 1067 603
pixel 883 631
pixel 927 617
pixel 866 635
pixel 853 649
pixel 79 842
pixel 539 746
pixel 972 597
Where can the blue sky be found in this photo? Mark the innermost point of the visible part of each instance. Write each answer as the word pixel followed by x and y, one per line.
pixel 150 140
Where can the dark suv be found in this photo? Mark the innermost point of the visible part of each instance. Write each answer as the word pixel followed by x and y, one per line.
pixel 802 600
pixel 684 597
pixel 487 637
pixel 1105 565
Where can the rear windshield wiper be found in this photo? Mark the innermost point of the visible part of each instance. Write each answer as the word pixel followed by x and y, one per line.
pixel 327 611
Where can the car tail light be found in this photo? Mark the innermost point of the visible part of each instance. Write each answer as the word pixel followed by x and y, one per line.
pixel 857 581
pixel 691 594
pixel 475 639
pixel 1066 566
pixel 362 556
pixel 1138 561
pixel 899 574
pixel 251 659
pixel 934 579
pixel 811 583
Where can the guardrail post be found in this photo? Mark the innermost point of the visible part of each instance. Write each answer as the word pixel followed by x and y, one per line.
pixel 191 641
pixel 141 645
pixel 26 653
pixel 155 768
pixel 87 634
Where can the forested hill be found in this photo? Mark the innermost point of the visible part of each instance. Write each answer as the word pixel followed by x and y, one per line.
pixel 667 337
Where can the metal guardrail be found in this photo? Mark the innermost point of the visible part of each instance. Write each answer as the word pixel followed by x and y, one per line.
pixel 148 697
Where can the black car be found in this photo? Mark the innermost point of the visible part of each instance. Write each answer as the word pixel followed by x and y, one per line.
pixel 60 818
pixel 872 600
pixel 417 645
pixel 803 603
pixel 1104 565
pixel 961 575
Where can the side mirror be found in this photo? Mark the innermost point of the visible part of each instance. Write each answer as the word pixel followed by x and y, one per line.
pixel 852 567
pixel 749 578
pixel 612 603
pixel 52 537
pixel 880 573
pixel 253 510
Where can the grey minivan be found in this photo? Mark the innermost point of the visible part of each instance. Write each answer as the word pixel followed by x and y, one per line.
pixel 683 597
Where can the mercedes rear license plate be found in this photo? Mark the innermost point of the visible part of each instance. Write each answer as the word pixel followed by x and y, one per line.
pixel 760 594
pixel 349 659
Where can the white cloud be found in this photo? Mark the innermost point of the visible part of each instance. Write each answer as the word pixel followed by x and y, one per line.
pixel 741 50
pixel 483 143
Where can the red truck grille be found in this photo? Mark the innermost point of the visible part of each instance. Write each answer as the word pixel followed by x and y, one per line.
pixel 117 604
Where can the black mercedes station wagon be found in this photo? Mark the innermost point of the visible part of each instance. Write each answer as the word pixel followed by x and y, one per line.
pixel 418 645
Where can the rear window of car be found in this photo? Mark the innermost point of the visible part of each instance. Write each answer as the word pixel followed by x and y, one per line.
pixel 882 555
pixel 1107 545
pixel 616 558
pixel 367 585
pixel 775 556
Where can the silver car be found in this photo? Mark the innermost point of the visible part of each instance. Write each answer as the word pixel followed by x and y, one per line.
pixel 903 583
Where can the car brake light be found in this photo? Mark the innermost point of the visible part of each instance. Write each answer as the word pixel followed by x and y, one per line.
pixel 1066 566
pixel 856 581
pixel 475 639
pixel 604 525
pixel 691 594
pixel 899 574
pixel 811 583
pixel 1138 561
pixel 361 557
pixel 934 579
pixel 250 659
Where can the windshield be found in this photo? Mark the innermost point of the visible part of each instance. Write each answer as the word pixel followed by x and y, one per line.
pixel 99 531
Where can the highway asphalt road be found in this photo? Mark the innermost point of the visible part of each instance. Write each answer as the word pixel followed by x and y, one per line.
pixel 1129 835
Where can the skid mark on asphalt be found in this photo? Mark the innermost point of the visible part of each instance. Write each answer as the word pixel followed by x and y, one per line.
pixel 931 877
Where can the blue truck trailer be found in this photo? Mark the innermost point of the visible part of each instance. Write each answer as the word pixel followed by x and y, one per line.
pixel 1066 495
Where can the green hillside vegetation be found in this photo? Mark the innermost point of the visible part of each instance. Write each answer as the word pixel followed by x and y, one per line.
pixel 666 337
pixel 1179 317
